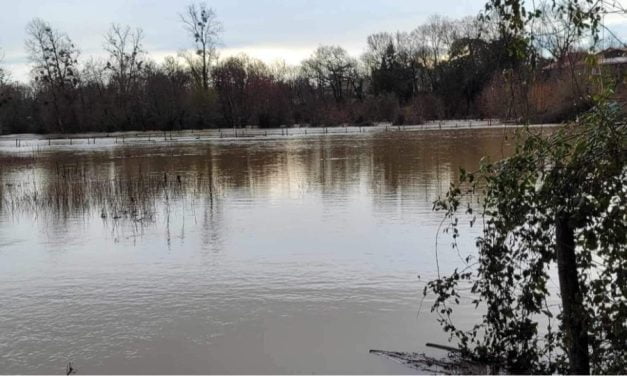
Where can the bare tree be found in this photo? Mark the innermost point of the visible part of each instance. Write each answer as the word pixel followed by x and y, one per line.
pixel 436 36
pixel 125 66
pixel 378 45
pixel 555 35
pixel 332 67
pixel 126 56
pixel 53 54
pixel 167 106
pixel 202 24
pixel 231 79
pixel 54 57
pixel 93 73
pixel 194 66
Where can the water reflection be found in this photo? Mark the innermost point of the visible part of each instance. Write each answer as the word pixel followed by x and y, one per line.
pixel 286 255
pixel 135 181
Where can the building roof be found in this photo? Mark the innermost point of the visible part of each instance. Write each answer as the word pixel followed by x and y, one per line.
pixel 610 56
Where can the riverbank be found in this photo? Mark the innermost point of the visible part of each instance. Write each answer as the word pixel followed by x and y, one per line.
pixel 35 140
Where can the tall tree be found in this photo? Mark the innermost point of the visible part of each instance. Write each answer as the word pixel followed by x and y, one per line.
pixel 125 66
pixel 202 24
pixel 126 56
pixel 55 58
pixel 331 68
pixel 393 65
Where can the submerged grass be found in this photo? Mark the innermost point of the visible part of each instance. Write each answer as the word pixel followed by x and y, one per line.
pixel 69 191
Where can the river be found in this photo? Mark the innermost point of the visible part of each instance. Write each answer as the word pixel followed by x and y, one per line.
pixel 294 254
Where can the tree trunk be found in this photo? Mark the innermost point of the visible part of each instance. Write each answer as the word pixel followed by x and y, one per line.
pixel 205 73
pixel 574 321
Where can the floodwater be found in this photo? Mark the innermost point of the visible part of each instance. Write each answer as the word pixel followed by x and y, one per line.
pixel 292 254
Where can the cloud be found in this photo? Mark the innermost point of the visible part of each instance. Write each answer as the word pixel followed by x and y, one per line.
pixel 266 29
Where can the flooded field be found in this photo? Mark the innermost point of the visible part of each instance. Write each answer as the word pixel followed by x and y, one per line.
pixel 293 254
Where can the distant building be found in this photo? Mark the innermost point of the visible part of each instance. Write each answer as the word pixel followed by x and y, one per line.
pixel 611 57
pixel 611 62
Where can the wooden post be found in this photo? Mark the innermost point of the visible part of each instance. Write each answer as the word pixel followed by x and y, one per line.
pixel 574 321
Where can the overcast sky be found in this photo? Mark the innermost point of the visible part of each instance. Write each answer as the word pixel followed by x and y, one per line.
pixel 266 29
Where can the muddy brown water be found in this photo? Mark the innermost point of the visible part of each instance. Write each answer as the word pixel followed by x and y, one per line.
pixel 271 255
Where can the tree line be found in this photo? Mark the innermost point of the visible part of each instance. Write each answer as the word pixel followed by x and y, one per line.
pixel 442 69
